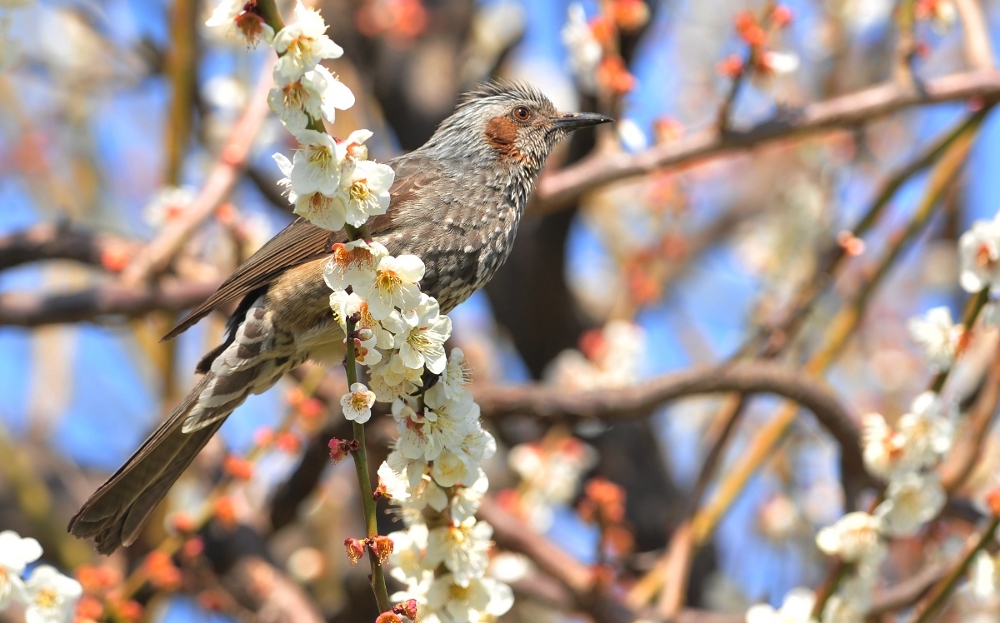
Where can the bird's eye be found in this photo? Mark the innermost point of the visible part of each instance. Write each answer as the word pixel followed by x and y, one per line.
pixel 522 113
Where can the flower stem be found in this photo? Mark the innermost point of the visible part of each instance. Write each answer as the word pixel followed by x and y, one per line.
pixel 364 481
pixel 939 594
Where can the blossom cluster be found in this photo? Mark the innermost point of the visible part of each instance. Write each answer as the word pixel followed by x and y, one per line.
pixel 433 472
pixel 759 35
pixel 904 454
pixel 396 332
pixel 592 51
pixel 47 595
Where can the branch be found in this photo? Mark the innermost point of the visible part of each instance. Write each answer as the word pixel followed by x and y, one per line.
pixel 639 400
pixel 562 188
pixel 156 256
pixel 978 49
pixel 32 310
pixel 61 241
pixel 512 534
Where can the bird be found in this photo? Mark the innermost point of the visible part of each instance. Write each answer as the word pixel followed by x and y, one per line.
pixel 455 203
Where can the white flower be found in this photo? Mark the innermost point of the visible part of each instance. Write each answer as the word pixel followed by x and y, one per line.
pixel 984 576
pixel 366 191
pixel 979 250
pixel 395 485
pixel 168 203
pixel 394 286
pixel 315 167
pixel 316 95
pixel 241 16
pixel 15 554
pixel 423 436
pixel 938 336
pixel 584 49
pixel 423 344
pixel 464 550
pixel 302 45
pixel 911 501
pixel 353 264
pixel 796 608
pixel 357 404
pixel 779 63
pixel 854 538
pixel 883 448
pixel 482 600
pixel 451 469
pixel 455 379
pixel 927 433
pixel 389 384
pixel 51 596
pixel 467 499
pixel 408 552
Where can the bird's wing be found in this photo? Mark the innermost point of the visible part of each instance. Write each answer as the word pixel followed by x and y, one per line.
pixel 303 242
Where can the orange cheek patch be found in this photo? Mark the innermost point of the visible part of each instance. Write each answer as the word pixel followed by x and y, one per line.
pixel 501 133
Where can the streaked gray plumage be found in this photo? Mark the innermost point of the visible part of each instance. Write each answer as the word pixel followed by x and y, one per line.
pixel 456 203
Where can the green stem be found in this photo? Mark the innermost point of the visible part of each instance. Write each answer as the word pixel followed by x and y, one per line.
pixel 364 482
pixel 268 11
pixel 939 594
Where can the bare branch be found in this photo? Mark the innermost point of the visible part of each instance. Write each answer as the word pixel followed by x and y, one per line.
pixel 639 400
pixel 978 49
pixel 61 241
pixel 562 188
pixel 32 310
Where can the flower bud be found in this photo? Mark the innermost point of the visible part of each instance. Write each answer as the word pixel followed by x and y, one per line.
pixel 355 549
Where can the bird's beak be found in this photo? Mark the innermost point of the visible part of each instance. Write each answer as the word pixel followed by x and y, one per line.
pixel 576 120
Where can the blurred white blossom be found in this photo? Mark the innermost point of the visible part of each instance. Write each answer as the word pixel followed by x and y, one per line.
pixel 979 253
pixel 911 501
pixel 938 335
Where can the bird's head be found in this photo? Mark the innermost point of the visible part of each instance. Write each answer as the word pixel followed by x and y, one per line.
pixel 512 123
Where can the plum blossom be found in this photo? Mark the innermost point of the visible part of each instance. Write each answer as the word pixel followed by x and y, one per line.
pixel 927 433
pixel 353 264
pixel 883 448
pixel 302 44
pixel 15 554
pixel 979 252
pixel 423 343
pixel 316 95
pixel 365 191
pixel 456 377
pixel 394 286
pixel 357 404
pixel 241 16
pixel 396 486
pixel 51 596
pixel 483 599
pixel 584 49
pixel 854 538
pixel 796 608
pixel 467 499
pixel 315 167
pixel 424 435
pixel 938 335
pixel 463 549
pixel 911 501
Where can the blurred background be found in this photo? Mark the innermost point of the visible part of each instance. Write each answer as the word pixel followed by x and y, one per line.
pixel 785 182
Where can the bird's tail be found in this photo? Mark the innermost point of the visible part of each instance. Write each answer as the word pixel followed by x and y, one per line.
pixel 115 513
pixel 250 362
